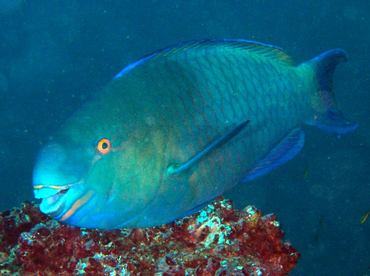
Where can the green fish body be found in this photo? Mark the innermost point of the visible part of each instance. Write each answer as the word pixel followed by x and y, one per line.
pixel 179 127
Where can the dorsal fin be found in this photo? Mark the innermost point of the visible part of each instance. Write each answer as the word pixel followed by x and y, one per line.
pixel 261 49
pixel 253 47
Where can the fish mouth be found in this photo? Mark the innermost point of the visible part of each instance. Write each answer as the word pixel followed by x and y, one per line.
pixel 53 199
pixel 55 202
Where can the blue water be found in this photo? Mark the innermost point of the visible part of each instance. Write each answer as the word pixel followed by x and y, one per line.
pixel 55 54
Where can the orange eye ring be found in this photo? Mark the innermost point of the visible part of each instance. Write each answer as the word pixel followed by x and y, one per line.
pixel 103 146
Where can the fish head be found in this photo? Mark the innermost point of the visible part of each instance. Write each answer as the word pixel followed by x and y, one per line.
pixel 96 176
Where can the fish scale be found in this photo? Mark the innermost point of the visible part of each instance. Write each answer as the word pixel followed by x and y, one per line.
pixel 180 127
pixel 218 84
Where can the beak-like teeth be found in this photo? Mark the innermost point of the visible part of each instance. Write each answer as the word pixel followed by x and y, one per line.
pixel 52 205
pixel 41 191
pixel 55 197
pixel 45 192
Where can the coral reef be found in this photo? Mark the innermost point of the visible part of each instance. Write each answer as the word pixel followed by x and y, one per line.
pixel 217 240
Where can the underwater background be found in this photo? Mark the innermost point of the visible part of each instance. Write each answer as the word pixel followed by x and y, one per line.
pixel 55 54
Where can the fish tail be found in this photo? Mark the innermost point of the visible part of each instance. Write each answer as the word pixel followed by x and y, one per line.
pixel 327 115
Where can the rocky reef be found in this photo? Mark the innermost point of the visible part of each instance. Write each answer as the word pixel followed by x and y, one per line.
pixel 217 240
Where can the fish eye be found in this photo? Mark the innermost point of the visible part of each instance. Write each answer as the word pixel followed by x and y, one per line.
pixel 103 146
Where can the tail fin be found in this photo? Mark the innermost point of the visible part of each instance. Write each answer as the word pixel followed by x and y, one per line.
pixel 328 117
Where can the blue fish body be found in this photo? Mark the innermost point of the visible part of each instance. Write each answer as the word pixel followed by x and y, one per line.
pixel 176 129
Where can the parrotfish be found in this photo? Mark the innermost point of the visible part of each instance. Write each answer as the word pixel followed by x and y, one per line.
pixel 179 127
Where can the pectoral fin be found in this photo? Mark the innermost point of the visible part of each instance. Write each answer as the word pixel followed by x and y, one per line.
pixel 177 168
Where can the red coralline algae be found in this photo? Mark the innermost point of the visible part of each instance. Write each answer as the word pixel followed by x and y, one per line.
pixel 217 240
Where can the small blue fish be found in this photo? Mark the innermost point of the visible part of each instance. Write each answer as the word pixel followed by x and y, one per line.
pixel 176 129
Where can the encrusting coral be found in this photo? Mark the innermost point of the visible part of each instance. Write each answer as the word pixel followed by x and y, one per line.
pixel 218 240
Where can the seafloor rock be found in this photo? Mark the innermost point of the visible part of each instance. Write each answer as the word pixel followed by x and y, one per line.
pixel 215 241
